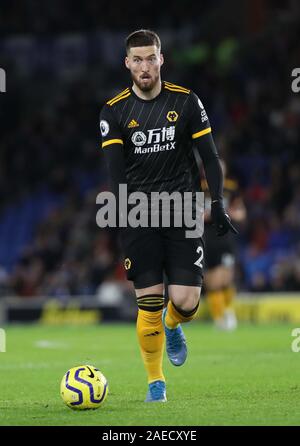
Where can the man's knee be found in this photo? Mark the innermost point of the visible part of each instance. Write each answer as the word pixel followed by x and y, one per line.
pixel 188 301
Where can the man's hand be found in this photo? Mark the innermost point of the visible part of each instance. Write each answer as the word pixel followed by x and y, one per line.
pixel 220 219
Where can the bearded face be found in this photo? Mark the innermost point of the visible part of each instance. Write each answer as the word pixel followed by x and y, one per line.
pixel 144 64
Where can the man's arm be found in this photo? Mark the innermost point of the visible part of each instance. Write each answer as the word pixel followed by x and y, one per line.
pixel 112 151
pixel 115 165
pixel 204 143
pixel 214 176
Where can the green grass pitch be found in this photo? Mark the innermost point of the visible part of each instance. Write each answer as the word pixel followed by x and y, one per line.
pixel 248 377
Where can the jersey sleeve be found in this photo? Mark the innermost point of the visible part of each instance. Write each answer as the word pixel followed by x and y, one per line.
pixel 113 152
pixel 109 128
pixel 200 132
pixel 198 119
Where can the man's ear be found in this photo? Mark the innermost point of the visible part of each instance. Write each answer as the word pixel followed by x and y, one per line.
pixel 161 59
pixel 127 62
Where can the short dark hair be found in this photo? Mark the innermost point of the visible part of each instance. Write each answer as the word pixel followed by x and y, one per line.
pixel 142 37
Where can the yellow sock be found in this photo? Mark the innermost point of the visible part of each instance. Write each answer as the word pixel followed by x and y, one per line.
pixel 216 303
pixel 229 294
pixel 174 317
pixel 151 338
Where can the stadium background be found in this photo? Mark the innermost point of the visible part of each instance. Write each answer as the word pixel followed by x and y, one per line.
pixel 62 60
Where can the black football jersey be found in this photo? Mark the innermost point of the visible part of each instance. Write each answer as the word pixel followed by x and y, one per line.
pixel 156 136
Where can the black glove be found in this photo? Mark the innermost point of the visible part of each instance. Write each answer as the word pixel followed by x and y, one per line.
pixel 220 219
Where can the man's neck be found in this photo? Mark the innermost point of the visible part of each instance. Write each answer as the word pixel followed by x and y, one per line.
pixel 147 95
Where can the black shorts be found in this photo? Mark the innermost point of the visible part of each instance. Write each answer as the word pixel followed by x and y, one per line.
pixel 152 252
pixel 218 250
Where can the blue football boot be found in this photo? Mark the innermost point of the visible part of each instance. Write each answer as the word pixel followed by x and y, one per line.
pixel 156 392
pixel 175 343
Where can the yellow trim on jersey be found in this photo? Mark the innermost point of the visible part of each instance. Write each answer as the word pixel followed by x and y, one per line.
pixel 118 95
pixel 177 90
pixel 176 87
pixel 182 90
pixel 120 98
pixel 112 141
pixel 203 132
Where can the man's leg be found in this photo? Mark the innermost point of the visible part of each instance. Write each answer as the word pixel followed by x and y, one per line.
pixel 184 269
pixel 182 307
pixel 229 292
pixel 214 283
pixel 151 337
pixel 143 252
pixel 220 295
pixel 183 304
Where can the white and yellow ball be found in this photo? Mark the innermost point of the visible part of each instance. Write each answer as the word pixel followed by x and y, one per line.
pixel 84 387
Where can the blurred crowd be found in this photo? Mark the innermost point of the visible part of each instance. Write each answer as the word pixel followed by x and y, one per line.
pixel 75 16
pixel 70 255
pixel 244 83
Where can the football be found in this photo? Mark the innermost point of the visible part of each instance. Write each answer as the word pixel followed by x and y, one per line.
pixel 84 387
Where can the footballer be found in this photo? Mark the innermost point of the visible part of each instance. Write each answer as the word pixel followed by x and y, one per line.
pixel 149 131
